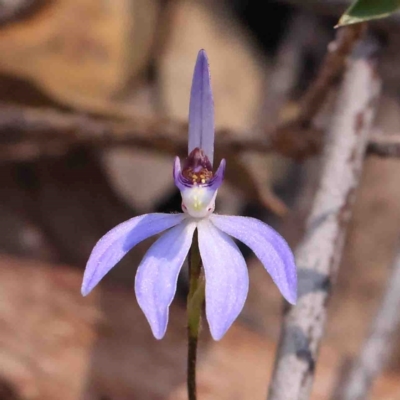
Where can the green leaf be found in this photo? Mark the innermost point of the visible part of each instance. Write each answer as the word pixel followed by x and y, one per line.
pixel 365 10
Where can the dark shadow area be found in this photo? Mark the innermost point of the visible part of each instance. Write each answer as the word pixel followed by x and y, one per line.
pixel 8 392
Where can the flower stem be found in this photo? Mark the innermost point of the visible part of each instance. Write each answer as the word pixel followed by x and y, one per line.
pixel 194 308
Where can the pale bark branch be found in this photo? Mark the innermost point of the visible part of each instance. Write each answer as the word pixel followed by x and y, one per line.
pixel 318 255
pixel 375 350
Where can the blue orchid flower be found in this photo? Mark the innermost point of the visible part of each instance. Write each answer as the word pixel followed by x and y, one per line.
pixel 226 274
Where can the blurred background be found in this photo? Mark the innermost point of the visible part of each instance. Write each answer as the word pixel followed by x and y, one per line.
pixel 73 64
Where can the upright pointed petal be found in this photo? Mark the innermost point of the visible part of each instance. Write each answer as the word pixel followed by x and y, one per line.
pixel 177 174
pixel 218 178
pixel 268 246
pixel 157 275
pixel 117 242
pixel 201 110
pixel 227 279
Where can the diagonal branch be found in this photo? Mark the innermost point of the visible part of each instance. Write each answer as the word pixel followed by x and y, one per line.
pixel 377 346
pixel 319 253
pixel 332 67
pixel 297 138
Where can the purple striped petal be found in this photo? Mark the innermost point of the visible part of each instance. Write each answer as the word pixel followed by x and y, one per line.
pixel 117 242
pixel 268 246
pixel 227 279
pixel 201 110
pixel 157 275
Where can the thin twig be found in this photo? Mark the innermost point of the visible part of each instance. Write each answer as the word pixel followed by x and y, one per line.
pixel 28 131
pixel 10 11
pixel 384 146
pixel 375 351
pixel 27 134
pixel 331 69
pixel 45 127
pixel 319 253
pixel 298 139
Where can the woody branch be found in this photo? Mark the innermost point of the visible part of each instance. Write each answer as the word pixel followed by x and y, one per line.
pixel 319 253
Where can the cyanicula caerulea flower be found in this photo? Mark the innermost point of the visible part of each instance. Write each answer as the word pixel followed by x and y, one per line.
pixel 226 275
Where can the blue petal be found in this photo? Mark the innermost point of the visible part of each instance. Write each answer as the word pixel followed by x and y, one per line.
pixel 157 275
pixel 268 246
pixel 177 174
pixel 227 280
pixel 117 242
pixel 201 110
pixel 156 278
pixel 218 178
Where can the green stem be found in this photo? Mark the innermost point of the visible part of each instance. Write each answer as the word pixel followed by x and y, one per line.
pixel 194 308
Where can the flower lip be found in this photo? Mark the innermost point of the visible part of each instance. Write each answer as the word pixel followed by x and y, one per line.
pixel 197 183
pixel 199 201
